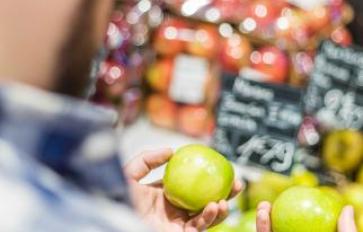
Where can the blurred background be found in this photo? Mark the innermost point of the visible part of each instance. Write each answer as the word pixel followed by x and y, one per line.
pixel 247 77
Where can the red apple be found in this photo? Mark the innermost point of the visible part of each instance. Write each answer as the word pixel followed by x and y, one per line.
pixel 211 125
pixel 112 79
pixel 193 120
pixel 159 74
pixel 271 61
pixel 318 18
pixel 336 2
pixel 212 89
pixel 231 9
pixel 118 33
pixel 264 12
pixel 341 35
pixel 167 37
pixel 302 64
pixel 235 52
pixel 205 41
pixel 291 27
pixel 161 111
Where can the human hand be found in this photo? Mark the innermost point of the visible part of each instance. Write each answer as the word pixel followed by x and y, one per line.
pixel 151 204
pixel 345 223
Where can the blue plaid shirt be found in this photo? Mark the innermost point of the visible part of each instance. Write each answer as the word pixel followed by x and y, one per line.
pixel 58 160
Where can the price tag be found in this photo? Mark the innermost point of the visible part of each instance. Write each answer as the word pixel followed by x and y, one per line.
pixel 189 80
pixel 257 124
pixel 334 95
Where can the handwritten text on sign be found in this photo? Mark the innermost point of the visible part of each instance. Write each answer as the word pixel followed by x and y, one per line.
pixel 257 124
pixel 335 92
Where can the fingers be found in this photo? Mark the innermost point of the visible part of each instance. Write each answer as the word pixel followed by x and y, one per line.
pixel 140 166
pixel 346 220
pixel 236 188
pixel 204 219
pixel 263 217
pixel 222 214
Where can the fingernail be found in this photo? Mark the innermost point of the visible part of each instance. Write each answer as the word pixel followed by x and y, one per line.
pixel 350 210
pixel 224 202
pixel 262 215
pixel 239 185
pixel 211 207
pixel 263 205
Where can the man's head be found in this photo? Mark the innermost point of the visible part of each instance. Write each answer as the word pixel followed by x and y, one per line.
pixel 50 44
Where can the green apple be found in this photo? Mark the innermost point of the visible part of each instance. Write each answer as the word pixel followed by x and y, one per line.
pixel 353 194
pixel 242 201
pixel 304 177
pixel 267 188
pixel 197 175
pixel 223 227
pixel 333 193
pixel 305 209
pixel 260 191
pixel 359 220
pixel 343 150
pixel 247 222
pixel 276 181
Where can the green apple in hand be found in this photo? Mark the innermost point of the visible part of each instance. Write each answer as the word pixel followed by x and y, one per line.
pixel 197 175
pixel 305 209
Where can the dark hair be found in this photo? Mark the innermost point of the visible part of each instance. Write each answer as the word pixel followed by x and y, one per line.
pixel 75 58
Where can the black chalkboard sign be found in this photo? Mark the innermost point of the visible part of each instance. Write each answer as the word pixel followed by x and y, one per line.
pixel 257 123
pixel 335 92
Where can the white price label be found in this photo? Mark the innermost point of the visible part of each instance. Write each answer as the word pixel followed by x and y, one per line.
pixel 189 80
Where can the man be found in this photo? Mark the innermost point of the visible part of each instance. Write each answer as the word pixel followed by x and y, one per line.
pixel 58 155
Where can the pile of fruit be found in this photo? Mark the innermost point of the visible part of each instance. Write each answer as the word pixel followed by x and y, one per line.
pixel 290 24
pixel 276 38
pixel 198 42
pixel 341 153
pixel 299 203
pixel 183 79
pixel 119 77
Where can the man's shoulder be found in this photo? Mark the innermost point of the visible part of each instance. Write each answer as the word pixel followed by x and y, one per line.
pixel 33 196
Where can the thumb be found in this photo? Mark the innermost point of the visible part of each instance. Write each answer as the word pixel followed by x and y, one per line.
pixel 143 164
pixel 263 223
pixel 346 220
